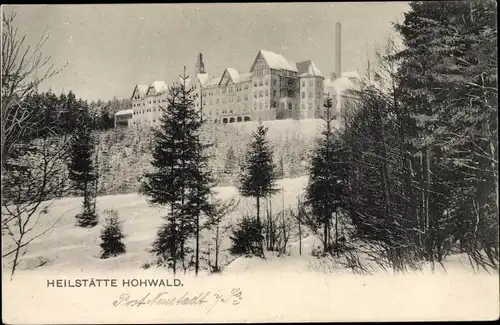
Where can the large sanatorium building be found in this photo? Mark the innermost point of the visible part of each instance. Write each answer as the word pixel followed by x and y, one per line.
pixel 273 88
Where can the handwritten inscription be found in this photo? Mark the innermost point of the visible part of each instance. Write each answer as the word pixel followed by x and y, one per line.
pixel 207 298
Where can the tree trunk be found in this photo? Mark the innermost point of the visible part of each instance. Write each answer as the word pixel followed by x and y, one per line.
pixel 258 209
pixel 337 233
pixel 16 257
pixel 325 236
pixel 299 215
pixel 217 247
pixel 197 261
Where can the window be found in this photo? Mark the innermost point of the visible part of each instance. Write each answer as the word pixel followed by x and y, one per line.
pixel 303 83
pixel 303 94
pixel 255 83
pixel 310 94
pixel 267 82
pixel 246 96
pixel 260 106
pixel 260 93
pixel 274 93
pixel 289 105
pixel 290 93
pixel 309 106
pixel 238 98
pixel 303 106
pixel 260 83
pixel 255 106
pixel 255 95
pixel 290 82
pixel 267 92
pixel 274 82
pixel 246 87
pixel 267 105
pixel 274 104
pixel 311 82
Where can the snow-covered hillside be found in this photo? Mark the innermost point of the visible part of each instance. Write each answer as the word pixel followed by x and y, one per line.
pixel 125 153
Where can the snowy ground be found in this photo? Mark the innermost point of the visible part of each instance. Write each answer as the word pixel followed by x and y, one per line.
pixel 291 287
pixel 67 247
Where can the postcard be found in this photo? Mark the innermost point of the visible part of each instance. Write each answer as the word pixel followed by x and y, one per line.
pixel 250 162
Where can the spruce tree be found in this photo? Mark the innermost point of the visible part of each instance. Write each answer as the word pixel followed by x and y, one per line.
pixel 258 174
pixel 111 237
pixel 327 178
pixel 247 237
pixel 180 179
pixel 81 167
pixel 230 162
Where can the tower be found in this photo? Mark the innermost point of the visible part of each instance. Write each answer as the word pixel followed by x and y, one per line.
pixel 200 66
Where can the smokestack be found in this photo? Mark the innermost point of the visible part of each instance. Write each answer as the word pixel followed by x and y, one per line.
pixel 338 43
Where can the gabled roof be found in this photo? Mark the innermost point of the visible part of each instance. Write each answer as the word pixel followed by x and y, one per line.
pixel 142 89
pixel 234 74
pixel 275 61
pixel 308 68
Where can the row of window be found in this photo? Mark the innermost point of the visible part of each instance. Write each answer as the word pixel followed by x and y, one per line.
pixel 154 109
pixel 236 119
pixel 149 103
pixel 310 83
pixel 144 122
pixel 225 90
pixel 310 94
pixel 257 83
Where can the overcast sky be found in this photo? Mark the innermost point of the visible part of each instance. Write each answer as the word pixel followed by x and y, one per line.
pixel 111 48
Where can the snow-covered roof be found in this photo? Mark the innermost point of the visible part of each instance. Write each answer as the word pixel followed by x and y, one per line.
pixel 308 68
pixel 124 112
pixel 278 61
pixel 350 74
pixel 203 78
pixel 159 86
pixel 347 81
pixel 245 77
pixel 235 75
pixel 141 89
pixel 213 82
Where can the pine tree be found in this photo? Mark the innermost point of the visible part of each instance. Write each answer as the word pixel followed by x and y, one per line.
pixel 258 175
pixel 247 238
pixel 111 237
pixel 181 179
pixel 327 180
pixel 81 168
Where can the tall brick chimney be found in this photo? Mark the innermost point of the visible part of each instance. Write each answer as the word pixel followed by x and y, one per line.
pixel 338 44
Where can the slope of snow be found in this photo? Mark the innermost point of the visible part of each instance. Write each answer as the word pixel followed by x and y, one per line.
pixel 67 247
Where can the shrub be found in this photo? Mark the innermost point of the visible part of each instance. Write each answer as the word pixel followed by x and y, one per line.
pixel 247 238
pixel 87 219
